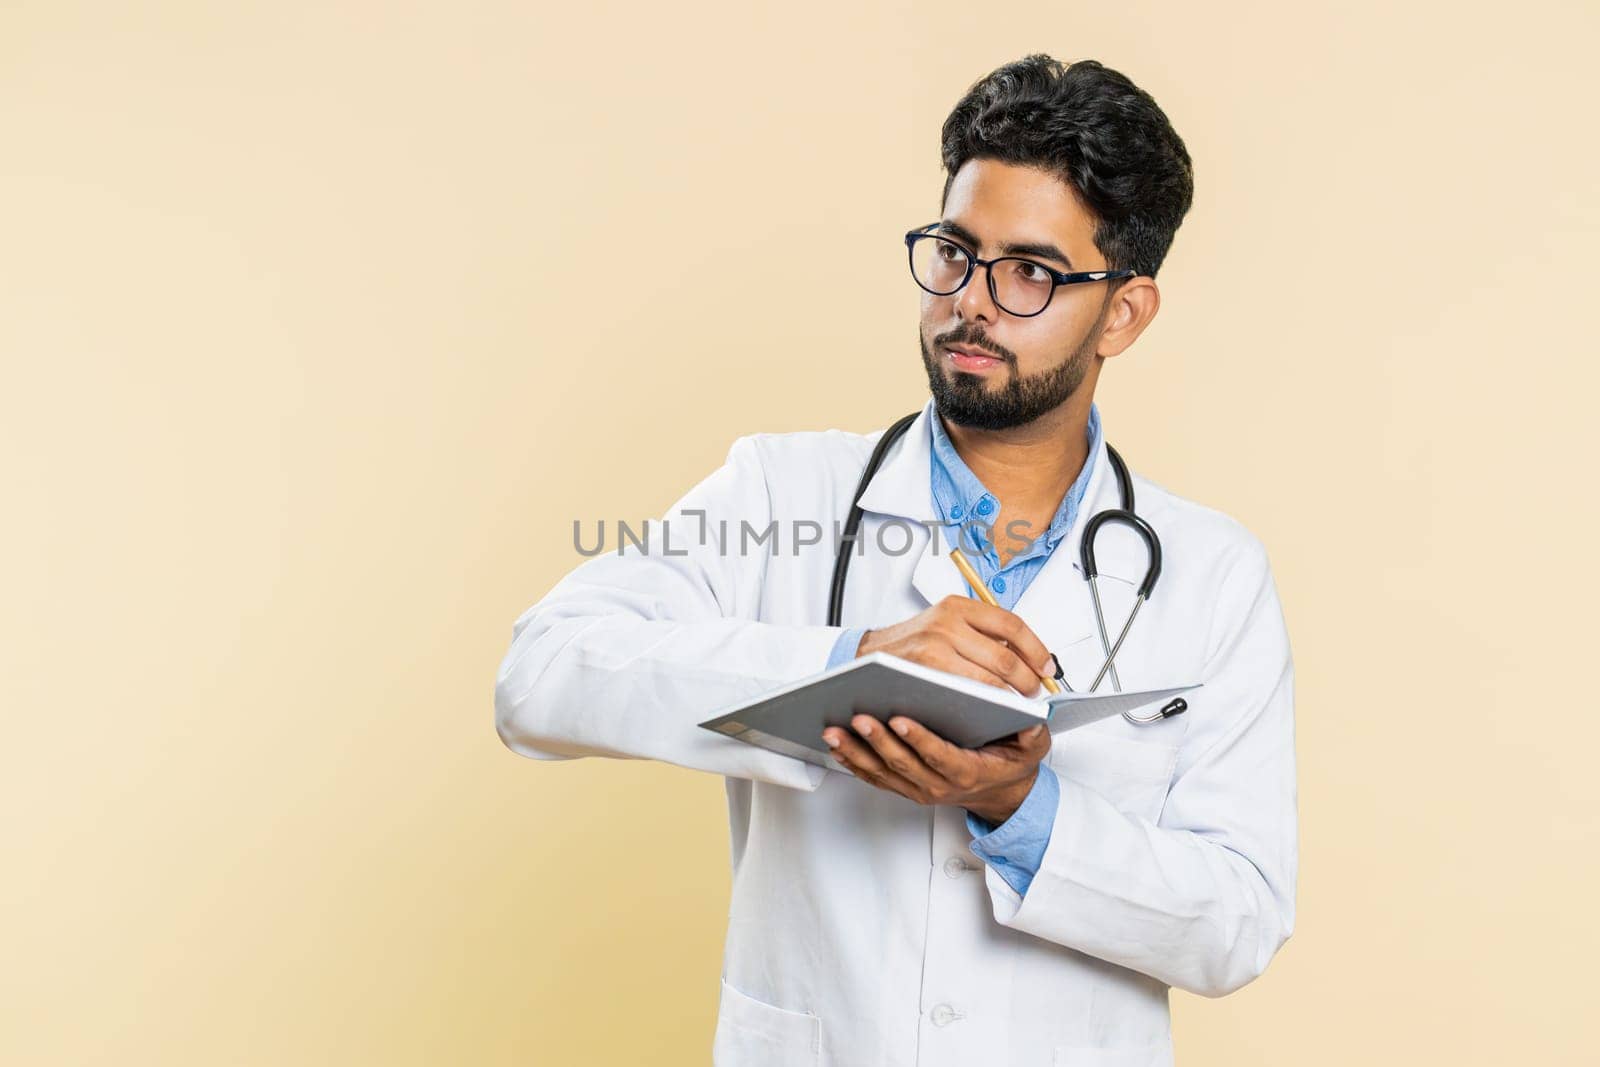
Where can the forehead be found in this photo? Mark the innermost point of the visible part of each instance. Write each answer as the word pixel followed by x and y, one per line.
pixel 1004 202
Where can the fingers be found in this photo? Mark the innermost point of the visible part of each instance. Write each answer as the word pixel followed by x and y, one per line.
pixel 880 759
pixel 996 659
pixel 975 640
pixel 1002 625
pixel 1024 746
pixel 953 661
pixel 924 767
pixel 951 762
pixel 1035 741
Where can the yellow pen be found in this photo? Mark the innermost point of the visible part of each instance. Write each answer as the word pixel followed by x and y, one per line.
pixel 971 575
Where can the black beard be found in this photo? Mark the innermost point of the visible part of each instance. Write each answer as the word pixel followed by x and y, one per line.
pixel 963 399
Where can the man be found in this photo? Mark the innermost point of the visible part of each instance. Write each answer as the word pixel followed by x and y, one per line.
pixel 1117 859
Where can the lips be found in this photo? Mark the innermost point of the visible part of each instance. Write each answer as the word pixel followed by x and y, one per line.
pixel 965 357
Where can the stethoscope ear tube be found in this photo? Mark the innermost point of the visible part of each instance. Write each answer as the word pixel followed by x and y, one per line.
pixel 1176 706
pixel 1152 544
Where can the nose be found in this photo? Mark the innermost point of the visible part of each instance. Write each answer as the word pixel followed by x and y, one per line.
pixel 974 300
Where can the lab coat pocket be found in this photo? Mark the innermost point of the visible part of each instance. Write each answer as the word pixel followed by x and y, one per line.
pixel 1133 775
pixel 1096 1056
pixel 753 1033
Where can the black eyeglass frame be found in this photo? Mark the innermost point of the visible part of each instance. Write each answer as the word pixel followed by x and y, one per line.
pixel 973 263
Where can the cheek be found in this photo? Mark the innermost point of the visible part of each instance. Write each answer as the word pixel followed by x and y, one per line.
pixel 1033 356
pixel 1040 346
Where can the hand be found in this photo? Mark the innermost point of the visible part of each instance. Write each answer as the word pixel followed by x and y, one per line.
pixel 968 637
pixel 991 782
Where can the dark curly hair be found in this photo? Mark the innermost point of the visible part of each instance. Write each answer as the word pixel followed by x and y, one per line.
pixel 1091 127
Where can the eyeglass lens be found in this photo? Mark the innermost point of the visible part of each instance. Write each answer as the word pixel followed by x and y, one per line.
pixel 1020 286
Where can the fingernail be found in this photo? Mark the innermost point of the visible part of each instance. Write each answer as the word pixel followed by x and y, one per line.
pixel 833 742
pixel 899 727
pixel 866 729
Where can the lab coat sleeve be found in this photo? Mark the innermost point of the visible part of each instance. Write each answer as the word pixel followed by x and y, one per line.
pixel 631 650
pixel 1204 897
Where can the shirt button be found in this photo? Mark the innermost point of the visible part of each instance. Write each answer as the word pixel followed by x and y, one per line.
pixel 944 1015
pixel 985 506
pixel 955 512
pixel 955 867
pixel 998 583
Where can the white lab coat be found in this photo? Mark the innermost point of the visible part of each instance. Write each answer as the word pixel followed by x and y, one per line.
pixel 862 930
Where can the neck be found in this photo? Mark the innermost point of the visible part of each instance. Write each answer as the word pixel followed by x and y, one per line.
pixel 1029 467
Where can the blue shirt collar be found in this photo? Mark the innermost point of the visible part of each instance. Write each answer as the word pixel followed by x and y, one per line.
pixel 959 496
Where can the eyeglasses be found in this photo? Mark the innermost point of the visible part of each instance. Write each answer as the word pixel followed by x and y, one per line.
pixel 1021 287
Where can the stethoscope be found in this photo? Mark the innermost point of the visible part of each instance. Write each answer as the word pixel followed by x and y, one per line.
pixel 1124 515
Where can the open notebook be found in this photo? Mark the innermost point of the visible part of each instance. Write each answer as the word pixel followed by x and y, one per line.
pixel 790 720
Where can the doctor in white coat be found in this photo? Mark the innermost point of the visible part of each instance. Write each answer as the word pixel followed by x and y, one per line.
pixel 866 925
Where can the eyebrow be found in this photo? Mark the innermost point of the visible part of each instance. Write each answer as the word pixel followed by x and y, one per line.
pixel 1015 248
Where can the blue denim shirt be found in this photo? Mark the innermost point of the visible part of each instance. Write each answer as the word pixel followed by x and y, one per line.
pixel 1016 847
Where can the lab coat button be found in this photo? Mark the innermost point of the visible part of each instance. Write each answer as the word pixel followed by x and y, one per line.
pixel 944 1015
pixel 955 867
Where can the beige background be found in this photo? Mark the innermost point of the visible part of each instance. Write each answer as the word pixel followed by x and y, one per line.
pixel 321 323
